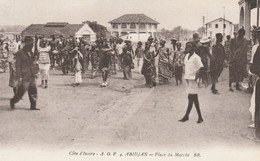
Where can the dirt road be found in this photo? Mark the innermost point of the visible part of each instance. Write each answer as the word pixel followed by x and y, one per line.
pixel 125 115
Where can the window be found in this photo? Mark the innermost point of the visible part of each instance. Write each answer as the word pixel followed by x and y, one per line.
pixel 142 26
pixel 150 26
pixel 225 26
pixel 114 26
pixel 132 26
pixel 210 25
pixel 155 26
pixel 115 33
pixel 216 26
pixel 123 25
pixel 123 33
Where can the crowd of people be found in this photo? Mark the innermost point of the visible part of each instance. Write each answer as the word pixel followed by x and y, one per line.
pixel 200 61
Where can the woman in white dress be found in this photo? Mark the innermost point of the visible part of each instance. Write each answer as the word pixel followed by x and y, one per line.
pixel 44 62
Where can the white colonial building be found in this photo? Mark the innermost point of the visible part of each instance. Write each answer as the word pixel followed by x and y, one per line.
pixel 133 24
pixel 219 25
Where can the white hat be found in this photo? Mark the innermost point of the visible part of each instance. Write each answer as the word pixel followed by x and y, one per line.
pixel 205 40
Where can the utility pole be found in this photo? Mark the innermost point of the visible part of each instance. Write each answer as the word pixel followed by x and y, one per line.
pixel 203 21
pixel 257 5
pixel 224 25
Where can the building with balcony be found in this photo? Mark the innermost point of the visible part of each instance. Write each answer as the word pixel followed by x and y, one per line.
pixel 133 24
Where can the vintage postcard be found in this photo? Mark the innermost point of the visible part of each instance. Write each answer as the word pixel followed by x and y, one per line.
pixel 129 80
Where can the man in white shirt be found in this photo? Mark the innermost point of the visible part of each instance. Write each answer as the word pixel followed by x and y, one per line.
pixel 193 65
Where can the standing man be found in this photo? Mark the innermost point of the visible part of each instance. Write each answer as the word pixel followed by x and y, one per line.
pixel 105 61
pixel 238 59
pixel 139 53
pixel 217 62
pixel 178 63
pixel 193 65
pixel 173 50
pixel 26 74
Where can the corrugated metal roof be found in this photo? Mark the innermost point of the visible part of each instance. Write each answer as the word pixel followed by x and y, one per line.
pixel 32 29
pixel 43 29
pixel 134 18
pixel 67 30
pixel 71 29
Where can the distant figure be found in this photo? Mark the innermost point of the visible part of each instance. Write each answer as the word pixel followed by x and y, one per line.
pixel 204 53
pixel 217 62
pixel 139 54
pixel 105 62
pixel 173 50
pixel 12 79
pixel 164 71
pixel 127 64
pixel 178 63
pixel 77 67
pixel 44 62
pixel 148 69
pixel 196 41
pixel 238 59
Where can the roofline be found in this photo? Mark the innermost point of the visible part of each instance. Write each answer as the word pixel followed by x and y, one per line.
pixel 217 19
pixel 134 14
pixel 135 22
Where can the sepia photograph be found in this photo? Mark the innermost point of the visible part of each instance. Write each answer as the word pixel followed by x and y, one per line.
pixel 129 80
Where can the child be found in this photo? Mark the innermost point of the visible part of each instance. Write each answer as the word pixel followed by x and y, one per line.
pixel 193 65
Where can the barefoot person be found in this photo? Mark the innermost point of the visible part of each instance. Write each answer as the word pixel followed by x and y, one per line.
pixel 139 54
pixel 193 65
pixel 26 74
pixel 238 59
pixel 217 62
pixel 105 62
pixel 148 69
pixel 178 63
pixel 44 62
pixel 77 67
pixel 164 71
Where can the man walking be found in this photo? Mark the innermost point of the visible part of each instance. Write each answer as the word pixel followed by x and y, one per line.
pixel 26 73
pixel 193 66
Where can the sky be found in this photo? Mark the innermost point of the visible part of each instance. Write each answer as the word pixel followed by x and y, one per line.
pixel 170 13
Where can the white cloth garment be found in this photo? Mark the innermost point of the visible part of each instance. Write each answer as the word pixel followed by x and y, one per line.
pixel 192 65
pixel 191 86
pixel 78 77
pixel 252 101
